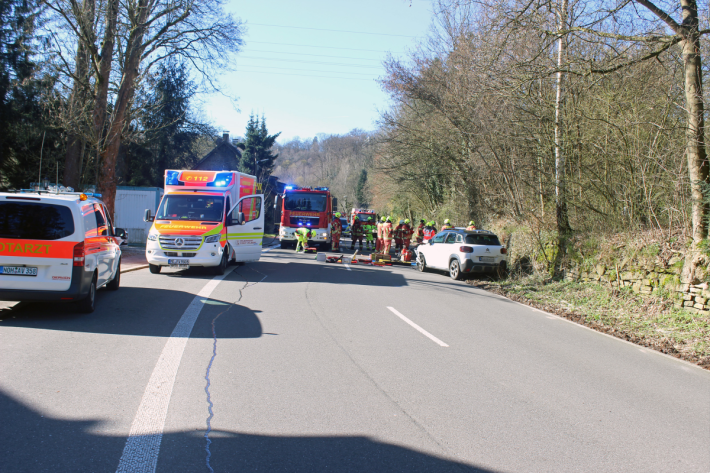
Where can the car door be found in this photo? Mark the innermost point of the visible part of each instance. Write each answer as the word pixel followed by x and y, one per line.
pixel 450 247
pixel 112 250
pixel 437 251
pixel 245 238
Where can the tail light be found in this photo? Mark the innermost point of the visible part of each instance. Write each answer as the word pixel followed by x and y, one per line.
pixel 503 251
pixel 79 254
pixel 466 249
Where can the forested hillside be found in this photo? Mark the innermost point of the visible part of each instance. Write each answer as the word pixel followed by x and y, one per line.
pixel 559 117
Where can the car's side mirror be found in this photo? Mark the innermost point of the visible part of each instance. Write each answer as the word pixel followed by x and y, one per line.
pixel 240 218
pixel 147 217
pixel 120 233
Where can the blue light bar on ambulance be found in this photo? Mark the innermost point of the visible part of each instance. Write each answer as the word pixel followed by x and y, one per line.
pixel 172 178
pixel 222 179
pixel 288 188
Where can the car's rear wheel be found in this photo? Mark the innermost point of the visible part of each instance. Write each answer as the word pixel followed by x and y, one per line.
pixel 421 263
pixel 116 281
pixel 154 268
pixel 455 270
pixel 88 305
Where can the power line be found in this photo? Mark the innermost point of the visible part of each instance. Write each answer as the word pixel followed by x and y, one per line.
pixel 314 55
pixel 305 75
pixel 321 47
pixel 311 70
pixel 333 31
pixel 361 66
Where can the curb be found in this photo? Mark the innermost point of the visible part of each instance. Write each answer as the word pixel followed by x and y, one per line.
pixel 135 268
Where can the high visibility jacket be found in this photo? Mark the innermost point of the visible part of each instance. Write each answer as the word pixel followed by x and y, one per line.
pixel 398 232
pixel 379 229
pixel 447 227
pixel 356 228
pixel 407 232
pixel 387 231
pixel 336 227
pixel 303 234
pixel 471 227
pixel 429 233
pixel 420 230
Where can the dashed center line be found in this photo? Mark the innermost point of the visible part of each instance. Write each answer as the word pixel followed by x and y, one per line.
pixel 418 328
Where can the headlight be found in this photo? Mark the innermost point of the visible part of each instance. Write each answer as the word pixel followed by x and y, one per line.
pixel 212 238
pixel 152 237
pixel 324 235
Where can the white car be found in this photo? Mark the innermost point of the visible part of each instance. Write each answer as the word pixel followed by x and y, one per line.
pixel 463 252
pixel 57 246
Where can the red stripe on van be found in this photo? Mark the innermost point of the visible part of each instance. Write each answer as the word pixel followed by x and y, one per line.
pixel 37 248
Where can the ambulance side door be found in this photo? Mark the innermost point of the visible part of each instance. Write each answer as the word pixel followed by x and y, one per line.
pixel 245 237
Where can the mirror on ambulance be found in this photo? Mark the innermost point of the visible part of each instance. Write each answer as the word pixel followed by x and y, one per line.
pixel 147 217
pixel 239 220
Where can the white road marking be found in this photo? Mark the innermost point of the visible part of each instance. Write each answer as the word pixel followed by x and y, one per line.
pixel 143 445
pixel 347 266
pixel 418 328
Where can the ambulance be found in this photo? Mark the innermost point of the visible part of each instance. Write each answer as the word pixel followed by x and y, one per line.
pixel 57 246
pixel 206 219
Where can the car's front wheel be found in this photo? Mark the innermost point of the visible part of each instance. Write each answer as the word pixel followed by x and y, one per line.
pixel 455 270
pixel 421 263
pixel 116 281
pixel 222 267
pixel 154 268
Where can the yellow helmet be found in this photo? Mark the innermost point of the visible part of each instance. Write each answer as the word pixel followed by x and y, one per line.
pixel 337 214
pixel 472 223
pixel 447 221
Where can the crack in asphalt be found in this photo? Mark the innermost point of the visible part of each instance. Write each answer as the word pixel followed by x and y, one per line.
pixel 210 405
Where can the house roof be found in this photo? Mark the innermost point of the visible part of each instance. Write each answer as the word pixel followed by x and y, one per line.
pixel 223 148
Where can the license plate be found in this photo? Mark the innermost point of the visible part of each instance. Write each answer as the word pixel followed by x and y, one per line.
pixel 486 259
pixel 18 270
pixel 179 263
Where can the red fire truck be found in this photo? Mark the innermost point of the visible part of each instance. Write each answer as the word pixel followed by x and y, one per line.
pixel 309 207
pixel 363 215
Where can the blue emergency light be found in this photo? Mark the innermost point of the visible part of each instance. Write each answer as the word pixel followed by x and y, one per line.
pixel 172 178
pixel 288 188
pixel 222 179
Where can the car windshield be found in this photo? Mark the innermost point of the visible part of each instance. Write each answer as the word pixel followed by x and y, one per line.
pixel 30 221
pixel 305 202
pixel 363 217
pixel 489 240
pixel 191 207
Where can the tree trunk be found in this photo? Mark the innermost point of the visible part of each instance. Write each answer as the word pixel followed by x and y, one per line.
pixel 104 72
pixel 79 96
pixel 563 227
pixel 695 145
pixel 109 153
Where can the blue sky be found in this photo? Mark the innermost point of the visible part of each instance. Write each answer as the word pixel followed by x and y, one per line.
pixel 306 80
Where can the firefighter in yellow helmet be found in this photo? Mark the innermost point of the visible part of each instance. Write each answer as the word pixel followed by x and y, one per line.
pixel 387 234
pixel 471 225
pixel 302 235
pixel 447 225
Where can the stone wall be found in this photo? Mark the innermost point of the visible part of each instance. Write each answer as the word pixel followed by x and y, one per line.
pixel 647 277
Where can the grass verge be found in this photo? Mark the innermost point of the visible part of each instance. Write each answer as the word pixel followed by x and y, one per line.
pixel 652 321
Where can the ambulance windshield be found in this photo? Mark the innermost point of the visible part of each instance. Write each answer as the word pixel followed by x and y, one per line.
pixel 191 207
pixel 305 202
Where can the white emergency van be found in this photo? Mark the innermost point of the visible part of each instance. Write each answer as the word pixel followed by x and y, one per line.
pixel 206 218
pixel 57 246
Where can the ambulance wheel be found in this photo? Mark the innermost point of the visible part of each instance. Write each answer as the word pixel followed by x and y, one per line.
pixel 88 305
pixel 154 268
pixel 116 281
pixel 222 266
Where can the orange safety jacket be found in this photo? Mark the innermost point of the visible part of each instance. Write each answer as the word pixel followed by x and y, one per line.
pixel 407 232
pixel 399 232
pixel 429 233
pixel 379 230
pixel 387 231
pixel 420 230
pixel 471 227
pixel 356 229
pixel 336 227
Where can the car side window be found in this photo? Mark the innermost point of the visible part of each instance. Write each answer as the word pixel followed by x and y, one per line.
pixel 89 215
pixel 102 227
pixel 459 238
pixel 451 238
pixel 439 238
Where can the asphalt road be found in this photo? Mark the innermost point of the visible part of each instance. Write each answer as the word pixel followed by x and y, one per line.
pixel 319 367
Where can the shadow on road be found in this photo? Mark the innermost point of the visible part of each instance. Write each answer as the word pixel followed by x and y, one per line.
pixel 138 311
pixel 32 442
